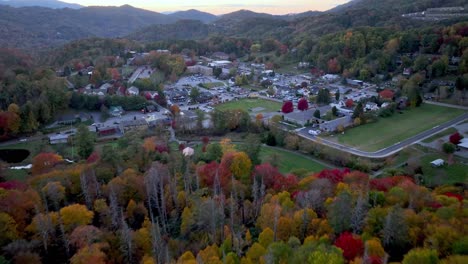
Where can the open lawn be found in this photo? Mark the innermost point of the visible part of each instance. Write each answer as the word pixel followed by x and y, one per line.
pixel 289 160
pixel 247 104
pixel 388 131
pixel 447 174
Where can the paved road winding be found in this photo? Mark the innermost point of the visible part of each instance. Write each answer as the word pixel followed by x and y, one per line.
pixel 383 153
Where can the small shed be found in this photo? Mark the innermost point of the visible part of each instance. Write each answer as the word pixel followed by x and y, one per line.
pixel 437 163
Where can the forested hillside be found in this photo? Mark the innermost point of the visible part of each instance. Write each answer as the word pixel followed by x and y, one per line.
pixel 142 201
pixel 44 27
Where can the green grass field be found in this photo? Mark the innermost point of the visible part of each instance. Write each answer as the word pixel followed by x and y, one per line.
pixel 246 104
pixel 388 131
pixel 447 174
pixel 289 161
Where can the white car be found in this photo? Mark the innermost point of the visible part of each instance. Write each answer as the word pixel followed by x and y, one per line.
pixel 314 132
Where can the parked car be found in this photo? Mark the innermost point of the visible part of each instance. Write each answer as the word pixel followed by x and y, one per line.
pixel 314 132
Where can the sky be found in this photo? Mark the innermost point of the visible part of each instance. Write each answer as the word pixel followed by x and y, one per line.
pixel 218 7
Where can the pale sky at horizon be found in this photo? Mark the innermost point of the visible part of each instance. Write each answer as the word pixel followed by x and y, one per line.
pixel 218 7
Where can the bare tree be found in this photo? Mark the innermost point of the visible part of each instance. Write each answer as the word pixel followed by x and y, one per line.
pixel 90 187
pixel 359 213
pixel 126 240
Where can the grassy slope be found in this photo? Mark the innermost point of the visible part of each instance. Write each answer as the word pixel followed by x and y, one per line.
pixel 290 161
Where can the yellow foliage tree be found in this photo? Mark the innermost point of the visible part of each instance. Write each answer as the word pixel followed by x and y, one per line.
pixel 209 255
pixel 266 237
pixel 75 215
pixel 255 253
pixel 187 258
pixel 373 247
pixel 89 254
pixel 227 146
pixel 241 166
pixel 7 229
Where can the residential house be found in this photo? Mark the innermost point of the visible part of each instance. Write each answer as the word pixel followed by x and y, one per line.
pixel 407 71
pixel 303 64
pixel 371 106
pixel 133 91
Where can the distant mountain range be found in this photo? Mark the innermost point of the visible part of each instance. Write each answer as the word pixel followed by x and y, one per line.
pixel 33 27
pixel 42 3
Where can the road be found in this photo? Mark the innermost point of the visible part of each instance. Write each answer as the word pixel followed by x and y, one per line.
pixel 383 153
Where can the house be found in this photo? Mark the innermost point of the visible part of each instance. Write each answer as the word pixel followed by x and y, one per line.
pixel 371 106
pixel 463 143
pixel 116 111
pixel 303 64
pixel 437 163
pixel 58 139
pixel 330 77
pixel 354 82
pixel 133 91
pixel 220 56
pixel 407 71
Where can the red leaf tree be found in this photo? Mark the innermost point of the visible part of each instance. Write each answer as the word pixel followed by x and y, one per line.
pixel 268 173
pixel 335 176
pixel 45 161
pixel 349 103
pixel 455 138
pixel 352 246
pixel 288 107
pixel 387 94
pixel 303 104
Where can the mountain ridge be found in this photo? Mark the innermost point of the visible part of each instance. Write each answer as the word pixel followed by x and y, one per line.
pixel 54 4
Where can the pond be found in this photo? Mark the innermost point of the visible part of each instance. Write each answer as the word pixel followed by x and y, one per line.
pixel 13 155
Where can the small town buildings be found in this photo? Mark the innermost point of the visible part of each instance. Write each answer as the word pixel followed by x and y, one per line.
pixel 136 124
pixel 200 69
pixel 220 63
